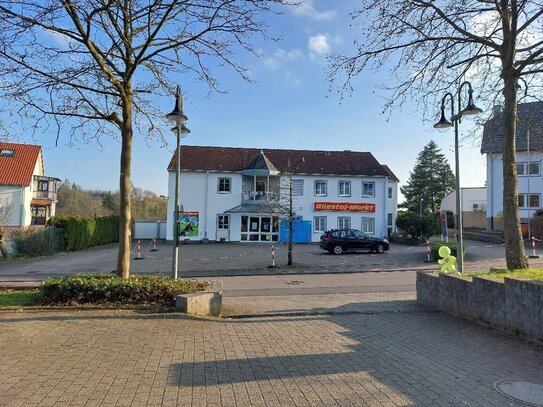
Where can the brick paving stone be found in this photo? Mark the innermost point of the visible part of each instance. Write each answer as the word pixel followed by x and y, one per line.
pixel 396 354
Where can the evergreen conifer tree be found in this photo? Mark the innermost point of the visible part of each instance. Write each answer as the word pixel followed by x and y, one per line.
pixel 431 179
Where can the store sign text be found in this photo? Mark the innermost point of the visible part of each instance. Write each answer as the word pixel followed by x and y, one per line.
pixel 343 207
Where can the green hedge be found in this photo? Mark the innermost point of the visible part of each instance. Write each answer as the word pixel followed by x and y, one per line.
pixel 36 241
pixel 435 250
pixel 82 233
pixel 110 289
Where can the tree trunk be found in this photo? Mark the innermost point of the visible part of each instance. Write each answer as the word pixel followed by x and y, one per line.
pixel 515 255
pixel 3 249
pixel 123 258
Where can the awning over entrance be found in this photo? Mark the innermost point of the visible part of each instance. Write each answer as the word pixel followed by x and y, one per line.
pixel 250 208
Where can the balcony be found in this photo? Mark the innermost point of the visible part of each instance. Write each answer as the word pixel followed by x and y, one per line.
pixel 44 188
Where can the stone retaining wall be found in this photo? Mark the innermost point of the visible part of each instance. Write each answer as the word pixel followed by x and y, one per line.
pixel 514 305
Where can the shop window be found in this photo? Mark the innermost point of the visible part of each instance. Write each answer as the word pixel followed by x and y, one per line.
pixel 319 224
pixel 368 225
pixel 343 222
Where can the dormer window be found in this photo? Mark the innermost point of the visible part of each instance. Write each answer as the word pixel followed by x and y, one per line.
pixel 7 153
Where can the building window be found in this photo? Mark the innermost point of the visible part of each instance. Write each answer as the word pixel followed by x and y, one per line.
pixel 390 218
pixel 368 189
pixel 389 192
pixel 223 222
pixel 533 201
pixel 224 186
pixel 344 188
pixel 529 168
pixel 319 223
pixel 368 225
pixel 297 187
pixel 43 185
pixel 320 188
pixel 343 222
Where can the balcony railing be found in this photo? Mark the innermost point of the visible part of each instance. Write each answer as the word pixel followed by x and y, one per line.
pixel 49 195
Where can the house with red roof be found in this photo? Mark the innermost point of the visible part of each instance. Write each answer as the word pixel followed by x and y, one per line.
pixel 229 193
pixel 24 186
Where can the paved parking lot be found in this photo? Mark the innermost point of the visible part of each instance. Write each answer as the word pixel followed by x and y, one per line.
pixel 215 259
pixel 385 353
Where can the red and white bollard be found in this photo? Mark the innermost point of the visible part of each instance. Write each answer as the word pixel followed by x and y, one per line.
pixel 273 256
pixel 139 256
pixel 428 244
pixel 154 249
pixel 533 255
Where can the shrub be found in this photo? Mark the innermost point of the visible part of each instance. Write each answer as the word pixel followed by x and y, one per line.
pixel 410 223
pixel 107 288
pixel 434 249
pixel 35 241
pixel 82 233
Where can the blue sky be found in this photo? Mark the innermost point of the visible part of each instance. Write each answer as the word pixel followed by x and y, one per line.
pixel 289 106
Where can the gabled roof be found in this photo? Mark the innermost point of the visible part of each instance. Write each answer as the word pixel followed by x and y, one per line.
pixel 19 168
pixel 199 158
pixel 261 165
pixel 530 117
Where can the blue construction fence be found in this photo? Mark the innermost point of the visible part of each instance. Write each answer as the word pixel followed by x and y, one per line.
pixel 301 231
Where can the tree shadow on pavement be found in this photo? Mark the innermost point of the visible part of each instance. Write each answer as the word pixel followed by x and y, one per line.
pixel 393 353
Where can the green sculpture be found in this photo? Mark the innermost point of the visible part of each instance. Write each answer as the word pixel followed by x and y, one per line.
pixel 448 261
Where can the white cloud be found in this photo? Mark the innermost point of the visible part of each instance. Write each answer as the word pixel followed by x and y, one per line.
pixel 307 9
pixel 281 57
pixel 319 44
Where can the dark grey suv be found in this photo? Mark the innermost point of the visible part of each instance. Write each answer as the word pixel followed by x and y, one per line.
pixel 339 241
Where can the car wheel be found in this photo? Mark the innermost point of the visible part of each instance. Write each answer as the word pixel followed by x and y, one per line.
pixel 379 248
pixel 338 249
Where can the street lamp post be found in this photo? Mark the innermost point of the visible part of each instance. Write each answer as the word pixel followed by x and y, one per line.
pixel 444 124
pixel 179 118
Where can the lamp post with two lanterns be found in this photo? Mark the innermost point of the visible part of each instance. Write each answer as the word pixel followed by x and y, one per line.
pixel 179 118
pixel 443 125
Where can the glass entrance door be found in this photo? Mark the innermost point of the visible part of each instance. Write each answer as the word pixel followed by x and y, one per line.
pixel 260 228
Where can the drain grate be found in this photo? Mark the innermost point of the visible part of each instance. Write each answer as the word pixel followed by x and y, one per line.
pixel 294 282
pixel 528 393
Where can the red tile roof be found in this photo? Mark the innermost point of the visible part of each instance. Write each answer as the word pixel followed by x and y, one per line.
pixel 18 170
pixel 198 158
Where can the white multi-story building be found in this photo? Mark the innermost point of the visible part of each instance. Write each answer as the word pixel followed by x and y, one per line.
pixel 232 193
pixel 529 146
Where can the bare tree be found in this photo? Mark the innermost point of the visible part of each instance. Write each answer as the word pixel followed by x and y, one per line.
pixel 6 210
pixel 94 66
pixel 430 45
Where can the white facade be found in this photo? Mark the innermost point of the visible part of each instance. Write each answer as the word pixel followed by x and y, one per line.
pixel 199 192
pixel 530 185
pixel 473 200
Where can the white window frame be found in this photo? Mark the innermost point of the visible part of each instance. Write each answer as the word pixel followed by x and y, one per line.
pixel 526 201
pixel 341 219
pixel 390 192
pixel 364 228
pixel 319 224
pixel 321 182
pixel 364 193
pixel 346 186
pixel 524 170
pixel 222 225
pixel 219 185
